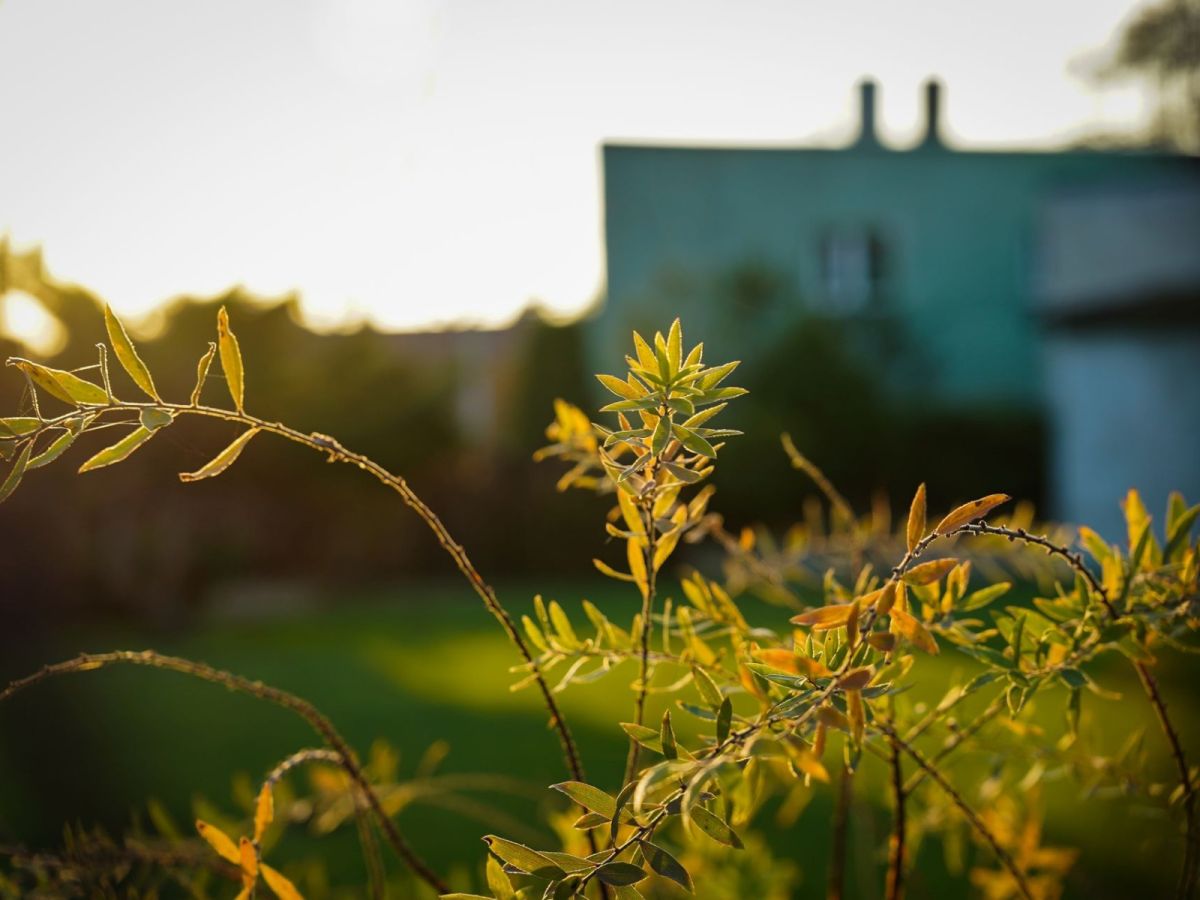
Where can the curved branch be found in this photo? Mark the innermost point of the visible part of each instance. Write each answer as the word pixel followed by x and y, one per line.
pixel 88 662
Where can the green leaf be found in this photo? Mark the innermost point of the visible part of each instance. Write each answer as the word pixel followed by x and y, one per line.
pixel 710 378
pixel 982 597
pixel 620 873
pixel 64 386
pixel 231 360
pixel 222 460
pixel 16 472
pixel 54 451
pixel 127 354
pixel 647 737
pixel 523 858
pixel 498 881
pixel 1073 678
pixel 667 737
pixel 724 720
pixel 202 373
pixel 17 426
pixel 1177 537
pixel 709 692
pixel 662 434
pixel 716 828
pixel 154 419
pixel 118 451
pixel 666 865
pixel 589 797
pixel 693 441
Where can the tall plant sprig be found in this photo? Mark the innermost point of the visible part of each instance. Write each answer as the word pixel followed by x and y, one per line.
pixel 38 440
pixel 669 446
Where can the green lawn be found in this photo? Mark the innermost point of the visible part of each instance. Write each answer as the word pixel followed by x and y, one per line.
pixel 422 663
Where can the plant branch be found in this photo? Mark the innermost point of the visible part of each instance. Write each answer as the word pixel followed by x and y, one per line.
pixel 896 848
pixel 348 760
pixel 841 819
pixel 643 683
pixel 969 814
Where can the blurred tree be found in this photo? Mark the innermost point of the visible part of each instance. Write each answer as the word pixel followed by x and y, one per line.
pixel 1162 42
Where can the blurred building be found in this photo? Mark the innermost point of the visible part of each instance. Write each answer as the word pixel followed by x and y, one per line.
pixel 1067 281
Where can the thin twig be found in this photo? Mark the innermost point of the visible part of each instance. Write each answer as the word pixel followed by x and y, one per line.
pixel 896 849
pixel 348 760
pixel 969 814
pixel 841 819
pixel 643 683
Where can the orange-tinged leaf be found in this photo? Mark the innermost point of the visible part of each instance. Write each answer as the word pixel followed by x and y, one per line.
pixel 883 641
pixel 916 518
pixel 913 631
pixel 970 511
pixel 833 718
pixel 281 886
pixel 927 573
pixel 886 599
pixel 249 861
pixel 220 841
pixel 856 679
pixel 852 624
pixel 858 716
pixel 783 660
pixel 635 552
pixel 264 811
pixel 813 668
pixel 825 618
pixel 808 763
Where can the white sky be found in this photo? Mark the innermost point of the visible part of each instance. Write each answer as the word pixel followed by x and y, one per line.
pixel 429 161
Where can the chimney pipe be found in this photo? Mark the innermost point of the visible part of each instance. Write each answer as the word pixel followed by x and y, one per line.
pixel 866 133
pixel 933 114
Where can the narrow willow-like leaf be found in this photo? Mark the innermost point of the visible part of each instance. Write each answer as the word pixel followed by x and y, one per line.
pixel 231 360
pixel 714 827
pixel 16 472
pixel 54 451
pixel 970 511
pixel 621 388
pixel 724 720
pixel 280 884
pixel 264 811
pixel 524 858
pixel 916 519
pixel 118 451
pixel 589 797
pixel 667 737
pixel 220 841
pixel 64 386
pixel 222 460
pixel 675 345
pixel 202 373
pixel 693 441
pixel 620 873
pixel 927 573
pixel 16 426
pixel 127 354
pixel 498 881
pixel 666 865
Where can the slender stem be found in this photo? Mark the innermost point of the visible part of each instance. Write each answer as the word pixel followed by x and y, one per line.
pixel 643 682
pixel 896 848
pixel 994 709
pixel 969 814
pixel 841 819
pixel 87 662
pixel 336 452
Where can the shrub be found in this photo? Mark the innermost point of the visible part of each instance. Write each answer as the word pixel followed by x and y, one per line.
pixel 756 716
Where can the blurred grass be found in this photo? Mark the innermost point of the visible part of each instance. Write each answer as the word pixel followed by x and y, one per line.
pixel 422 662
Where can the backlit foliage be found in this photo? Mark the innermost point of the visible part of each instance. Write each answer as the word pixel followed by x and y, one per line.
pixel 756 718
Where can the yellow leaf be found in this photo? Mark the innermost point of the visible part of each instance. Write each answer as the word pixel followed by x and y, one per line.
pixel 913 631
pixel 222 460
pixel 833 718
pixel 807 763
pixel 637 564
pixel 127 354
pixel 264 811
pixel 202 373
pixel 886 598
pixel 825 618
pixel 220 841
pixel 970 511
pixel 63 386
pixel 852 624
pixel 231 359
pixel 120 450
pixel 858 716
pixel 620 388
pixel 882 641
pixel 280 885
pixel 916 518
pixel 929 572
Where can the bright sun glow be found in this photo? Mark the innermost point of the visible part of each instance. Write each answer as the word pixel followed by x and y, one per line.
pixel 24 319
